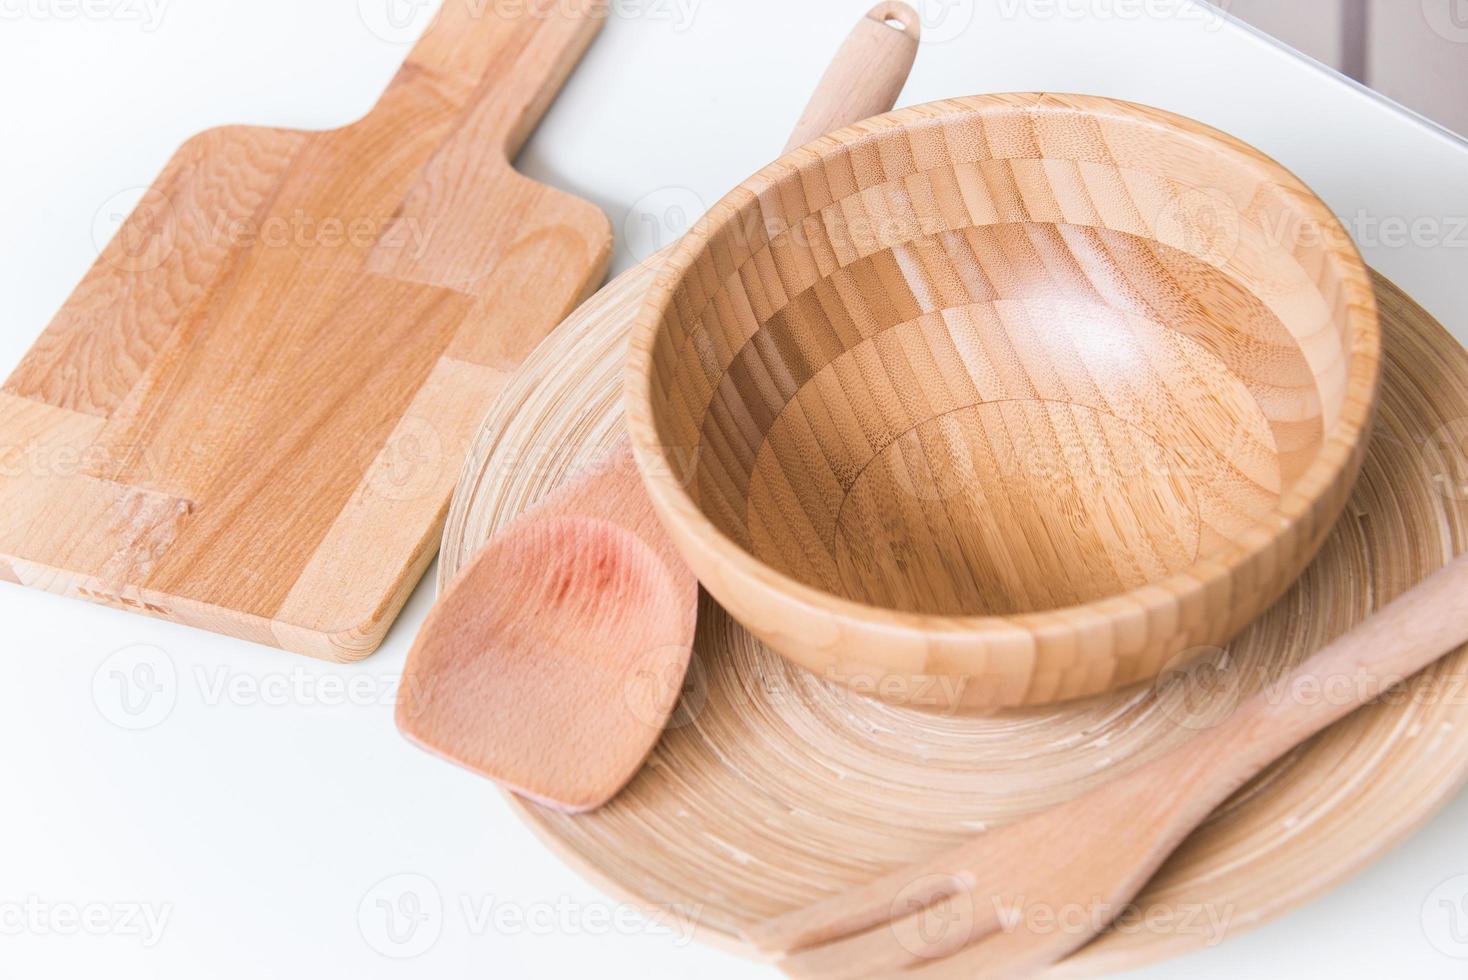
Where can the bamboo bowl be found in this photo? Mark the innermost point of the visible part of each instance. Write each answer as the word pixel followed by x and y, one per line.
pixel 1006 400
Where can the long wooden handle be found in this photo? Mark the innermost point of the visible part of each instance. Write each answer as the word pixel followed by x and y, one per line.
pixel 1401 640
pixel 867 75
pixel 863 80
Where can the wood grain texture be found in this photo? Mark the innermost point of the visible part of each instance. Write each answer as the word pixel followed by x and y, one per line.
pixel 1099 850
pixel 867 74
pixel 788 790
pixel 279 360
pixel 1026 392
pixel 553 662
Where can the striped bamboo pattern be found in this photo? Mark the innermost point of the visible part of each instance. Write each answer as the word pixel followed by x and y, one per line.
pixel 1034 391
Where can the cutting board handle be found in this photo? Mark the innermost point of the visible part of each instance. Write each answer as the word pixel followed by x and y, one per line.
pixel 474 45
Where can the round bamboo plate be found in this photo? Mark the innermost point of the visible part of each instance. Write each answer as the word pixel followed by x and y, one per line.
pixel 773 789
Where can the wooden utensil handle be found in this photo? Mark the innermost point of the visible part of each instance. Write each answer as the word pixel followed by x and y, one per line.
pixel 863 80
pixel 867 75
pixel 1401 640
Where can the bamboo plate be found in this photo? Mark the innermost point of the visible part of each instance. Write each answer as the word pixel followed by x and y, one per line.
pixel 773 789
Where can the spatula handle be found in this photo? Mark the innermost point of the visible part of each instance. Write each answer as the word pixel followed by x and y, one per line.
pixel 867 75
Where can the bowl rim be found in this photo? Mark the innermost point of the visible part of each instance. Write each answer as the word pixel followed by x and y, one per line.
pixel 1341 449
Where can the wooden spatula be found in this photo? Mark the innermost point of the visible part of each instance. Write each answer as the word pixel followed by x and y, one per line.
pixel 1024 896
pixel 552 663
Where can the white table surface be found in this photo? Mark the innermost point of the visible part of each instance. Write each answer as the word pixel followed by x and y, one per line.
pixel 265 812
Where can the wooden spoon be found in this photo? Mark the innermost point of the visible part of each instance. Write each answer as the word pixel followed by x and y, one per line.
pixel 554 660
pixel 1024 896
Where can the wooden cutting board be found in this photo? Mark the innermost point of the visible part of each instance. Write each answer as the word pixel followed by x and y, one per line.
pixel 250 415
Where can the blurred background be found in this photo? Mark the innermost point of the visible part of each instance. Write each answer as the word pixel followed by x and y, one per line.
pixel 1412 51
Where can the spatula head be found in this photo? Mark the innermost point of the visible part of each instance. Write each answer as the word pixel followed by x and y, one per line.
pixel 554 662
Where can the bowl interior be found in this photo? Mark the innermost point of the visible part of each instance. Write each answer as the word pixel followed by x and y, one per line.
pixel 1014 357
